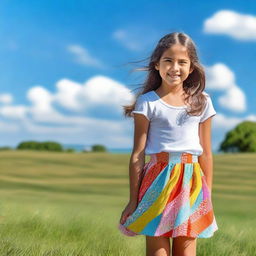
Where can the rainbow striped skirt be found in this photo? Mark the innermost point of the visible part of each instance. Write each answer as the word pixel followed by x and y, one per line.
pixel 173 200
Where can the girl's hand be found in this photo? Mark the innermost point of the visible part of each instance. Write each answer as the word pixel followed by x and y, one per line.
pixel 129 209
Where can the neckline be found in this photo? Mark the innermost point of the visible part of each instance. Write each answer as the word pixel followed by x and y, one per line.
pixel 166 104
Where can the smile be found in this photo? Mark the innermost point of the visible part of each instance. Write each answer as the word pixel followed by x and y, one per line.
pixel 174 77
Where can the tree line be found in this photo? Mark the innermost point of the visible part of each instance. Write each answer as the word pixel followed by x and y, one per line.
pixel 51 146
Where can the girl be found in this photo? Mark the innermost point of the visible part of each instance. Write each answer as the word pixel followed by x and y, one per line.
pixel 170 196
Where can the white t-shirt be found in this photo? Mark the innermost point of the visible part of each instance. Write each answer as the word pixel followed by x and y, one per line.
pixel 170 128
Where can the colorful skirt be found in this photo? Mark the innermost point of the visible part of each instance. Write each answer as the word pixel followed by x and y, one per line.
pixel 174 199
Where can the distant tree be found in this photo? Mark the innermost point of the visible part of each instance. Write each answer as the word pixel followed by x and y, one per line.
pixel 241 139
pixel 98 148
pixel 33 145
pixel 5 148
pixel 70 150
pixel 40 146
pixel 51 146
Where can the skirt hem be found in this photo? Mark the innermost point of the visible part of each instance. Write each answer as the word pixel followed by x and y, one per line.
pixel 127 232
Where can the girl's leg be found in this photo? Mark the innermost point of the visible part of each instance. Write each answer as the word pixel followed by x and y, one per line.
pixel 184 246
pixel 157 246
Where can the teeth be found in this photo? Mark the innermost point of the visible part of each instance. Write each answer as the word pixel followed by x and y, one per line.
pixel 174 76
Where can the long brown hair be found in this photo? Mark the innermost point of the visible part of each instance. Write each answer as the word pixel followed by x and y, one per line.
pixel 193 86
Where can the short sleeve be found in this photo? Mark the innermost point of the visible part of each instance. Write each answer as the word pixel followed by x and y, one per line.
pixel 209 110
pixel 142 107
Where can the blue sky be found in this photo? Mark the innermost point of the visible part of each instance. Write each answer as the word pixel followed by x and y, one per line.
pixel 63 64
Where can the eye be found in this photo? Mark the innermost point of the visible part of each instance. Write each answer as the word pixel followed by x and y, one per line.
pixel 183 62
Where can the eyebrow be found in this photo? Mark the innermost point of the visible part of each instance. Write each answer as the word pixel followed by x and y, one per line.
pixel 172 58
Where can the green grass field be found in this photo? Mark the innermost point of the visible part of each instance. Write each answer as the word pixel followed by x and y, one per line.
pixel 70 204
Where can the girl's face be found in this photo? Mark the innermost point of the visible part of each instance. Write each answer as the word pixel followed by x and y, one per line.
pixel 174 66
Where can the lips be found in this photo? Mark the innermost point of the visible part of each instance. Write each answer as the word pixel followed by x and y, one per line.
pixel 174 76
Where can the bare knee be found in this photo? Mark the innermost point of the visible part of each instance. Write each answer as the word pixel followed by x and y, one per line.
pixel 184 246
pixel 157 246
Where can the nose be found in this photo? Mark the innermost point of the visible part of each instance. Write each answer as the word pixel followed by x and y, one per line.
pixel 175 66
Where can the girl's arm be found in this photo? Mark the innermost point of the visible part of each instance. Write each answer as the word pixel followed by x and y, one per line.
pixel 137 160
pixel 206 159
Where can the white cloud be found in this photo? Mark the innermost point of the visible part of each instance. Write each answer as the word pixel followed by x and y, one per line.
pixel 68 93
pixel 14 112
pixel 105 91
pixel 82 56
pixel 45 117
pixel 231 23
pixel 97 91
pixel 41 98
pixel 41 109
pixel 222 78
pixel 127 40
pixel 233 99
pixel 6 98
